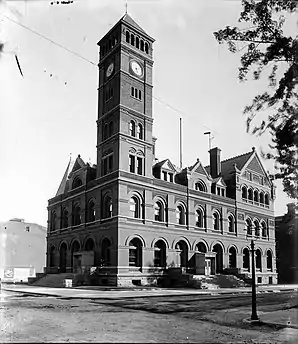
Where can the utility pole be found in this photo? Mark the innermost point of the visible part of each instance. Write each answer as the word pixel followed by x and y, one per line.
pixel 254 315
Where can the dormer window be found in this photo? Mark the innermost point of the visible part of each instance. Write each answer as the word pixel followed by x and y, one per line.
pixel 200 186
pixel 164 175
pixel 77 183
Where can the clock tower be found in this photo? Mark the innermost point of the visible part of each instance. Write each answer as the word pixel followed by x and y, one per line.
pixel 124 125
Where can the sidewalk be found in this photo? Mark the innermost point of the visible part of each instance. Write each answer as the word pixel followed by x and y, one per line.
pixel 101 292
pixel 287 317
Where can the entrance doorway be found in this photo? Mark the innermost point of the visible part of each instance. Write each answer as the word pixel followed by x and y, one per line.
pixel 207 266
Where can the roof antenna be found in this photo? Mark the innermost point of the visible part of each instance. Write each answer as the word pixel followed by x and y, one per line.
pixel 210 138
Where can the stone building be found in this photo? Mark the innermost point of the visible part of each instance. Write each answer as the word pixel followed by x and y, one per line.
pixel 136 217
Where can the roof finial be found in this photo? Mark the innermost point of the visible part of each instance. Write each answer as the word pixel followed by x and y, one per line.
pixel 126 7
pixel 70 156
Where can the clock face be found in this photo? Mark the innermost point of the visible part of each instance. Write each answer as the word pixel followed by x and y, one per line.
pixel 136 68
pixel 110 69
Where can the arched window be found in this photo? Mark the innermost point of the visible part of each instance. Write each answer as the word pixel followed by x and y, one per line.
pixel 200 186
pixel 245 258
pixel 76 215
pixel 216 221
pixel 248 226
pixel 261 198
pixel 256 196
pixel 132 128
pixel 264 230
pixel 232 257
pixel 105 131
pixel 266 199
pixel 64 218
pixel 91 211
pixel 269 260
pixel 258 260
pixel 127 37
pixel 135 252
pixel 201 247
pixel 142 45
pixel 244 192
pixel 111 128
pixel 160 254
pixel 147 48
pixel 107 207
pixel 200 218
pixel 180 215
pixel 135 207
pixel 231 223
pixel 132 39
pixel 257 228
pixel 53 225
pixel 77 183
pixel 106 252
pixel 250 194
pixel 159 211
pixel 137 42
pixel 140 131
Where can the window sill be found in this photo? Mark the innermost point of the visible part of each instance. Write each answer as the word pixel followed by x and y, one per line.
pixel 232 233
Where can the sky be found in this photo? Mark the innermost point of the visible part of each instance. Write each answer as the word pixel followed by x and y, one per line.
pixel 50 112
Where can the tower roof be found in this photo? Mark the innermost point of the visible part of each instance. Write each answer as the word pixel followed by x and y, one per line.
pixel 128 20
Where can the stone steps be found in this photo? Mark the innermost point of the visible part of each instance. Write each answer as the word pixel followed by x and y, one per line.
pixel 54 280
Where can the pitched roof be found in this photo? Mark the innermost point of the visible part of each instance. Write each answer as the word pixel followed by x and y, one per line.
pixel 128 20
pixel 62 186
pixel 166 163
pixel 228 164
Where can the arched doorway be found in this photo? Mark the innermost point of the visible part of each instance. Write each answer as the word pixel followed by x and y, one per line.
pixel 160 254
pixel 201 247
pixel 52 256
pixel 232 257
pixel 182 248
pixel 75 258
pixel 62 257
pixel 106 252
pixel 219 258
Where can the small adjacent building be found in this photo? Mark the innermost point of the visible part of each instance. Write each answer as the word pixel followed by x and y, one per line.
pixel 22 250
pixel 135 217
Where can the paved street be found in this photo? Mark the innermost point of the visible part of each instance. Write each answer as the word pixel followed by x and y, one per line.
pixel 172 317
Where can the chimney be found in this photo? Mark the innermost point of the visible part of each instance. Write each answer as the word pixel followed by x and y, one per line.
pixel 215 164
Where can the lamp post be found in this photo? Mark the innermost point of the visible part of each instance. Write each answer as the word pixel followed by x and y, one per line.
pixel 254 315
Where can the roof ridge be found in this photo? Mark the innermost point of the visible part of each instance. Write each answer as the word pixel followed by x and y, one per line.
pixel 237 156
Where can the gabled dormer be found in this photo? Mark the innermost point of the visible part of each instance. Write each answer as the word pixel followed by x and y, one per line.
pixel 199 178
pixel 77 174
pixel 219 187
pixel 165 170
